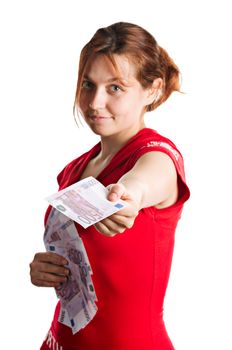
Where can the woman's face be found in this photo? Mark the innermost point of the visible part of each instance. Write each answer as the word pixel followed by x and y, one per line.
pixel 113 103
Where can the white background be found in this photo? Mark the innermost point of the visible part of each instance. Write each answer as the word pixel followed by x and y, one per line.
pixel 40 45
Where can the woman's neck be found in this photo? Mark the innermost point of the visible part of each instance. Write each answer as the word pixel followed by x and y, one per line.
pixel 110 145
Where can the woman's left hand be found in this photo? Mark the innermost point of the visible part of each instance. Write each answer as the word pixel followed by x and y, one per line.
pixel 123 219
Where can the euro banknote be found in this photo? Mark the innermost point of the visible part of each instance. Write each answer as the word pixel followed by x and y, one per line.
pixel 77 295
pixel 85 202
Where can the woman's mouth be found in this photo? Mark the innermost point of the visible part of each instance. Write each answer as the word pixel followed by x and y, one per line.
pixel 99 118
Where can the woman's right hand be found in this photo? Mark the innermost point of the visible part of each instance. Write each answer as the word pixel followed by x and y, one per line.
pixel 48 270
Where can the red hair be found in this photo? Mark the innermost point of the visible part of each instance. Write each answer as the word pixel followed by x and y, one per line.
pixel 141 48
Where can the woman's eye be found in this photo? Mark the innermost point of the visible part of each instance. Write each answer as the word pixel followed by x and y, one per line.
pixel 115 88
pixel 87 85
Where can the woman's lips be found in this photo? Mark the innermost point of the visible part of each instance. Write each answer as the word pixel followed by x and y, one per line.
pixel 98 117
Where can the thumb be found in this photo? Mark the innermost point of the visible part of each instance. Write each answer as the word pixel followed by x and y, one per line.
pixel 116 191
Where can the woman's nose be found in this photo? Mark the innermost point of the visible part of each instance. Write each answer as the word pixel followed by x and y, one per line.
pixel 98 100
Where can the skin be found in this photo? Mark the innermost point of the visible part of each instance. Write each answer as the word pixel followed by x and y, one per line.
pixel 113 107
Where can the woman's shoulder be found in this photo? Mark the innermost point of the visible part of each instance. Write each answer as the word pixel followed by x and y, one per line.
pixel 152 141
pixel 148 140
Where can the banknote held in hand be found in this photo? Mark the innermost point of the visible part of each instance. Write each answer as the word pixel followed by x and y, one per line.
pixel 86 203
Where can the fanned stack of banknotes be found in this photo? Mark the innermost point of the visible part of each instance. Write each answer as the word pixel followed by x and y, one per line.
pixel 84 202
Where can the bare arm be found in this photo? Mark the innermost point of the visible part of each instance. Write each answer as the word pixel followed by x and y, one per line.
pixel 152 181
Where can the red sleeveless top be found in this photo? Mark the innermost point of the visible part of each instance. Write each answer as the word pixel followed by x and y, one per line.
pixel 130 270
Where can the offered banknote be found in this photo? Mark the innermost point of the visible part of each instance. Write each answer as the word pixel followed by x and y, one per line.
pixel 85 202
pixel 77 295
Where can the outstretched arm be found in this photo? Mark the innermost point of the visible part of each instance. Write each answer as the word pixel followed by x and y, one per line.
pixel 151 182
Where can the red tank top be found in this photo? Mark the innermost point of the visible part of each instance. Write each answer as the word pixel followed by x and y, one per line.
pixel 130 270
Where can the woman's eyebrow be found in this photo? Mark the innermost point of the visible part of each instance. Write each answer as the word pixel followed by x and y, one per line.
pixel 111 80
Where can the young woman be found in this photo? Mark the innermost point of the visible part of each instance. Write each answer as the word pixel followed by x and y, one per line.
pixel 123 73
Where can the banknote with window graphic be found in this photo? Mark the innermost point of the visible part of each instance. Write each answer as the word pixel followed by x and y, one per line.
pixel 85 202
pixel 77 294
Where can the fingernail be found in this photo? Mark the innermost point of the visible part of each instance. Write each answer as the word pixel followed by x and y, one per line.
pixel 113 196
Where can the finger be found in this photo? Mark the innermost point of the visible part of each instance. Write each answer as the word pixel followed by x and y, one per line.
pixel 114 227
pixel 41 283
pixel 51 258
pixel 48 278
pixel 127 213
pixel 48 272
pixel 122 220
pixel 116 191
pixel 109 228
pixel 101 228
pixel 41 267
pixel 54 269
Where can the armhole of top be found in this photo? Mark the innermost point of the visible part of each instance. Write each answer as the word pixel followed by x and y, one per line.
pixel 183 190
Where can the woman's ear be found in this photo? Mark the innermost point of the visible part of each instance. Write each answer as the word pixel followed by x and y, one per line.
pixel 154 91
